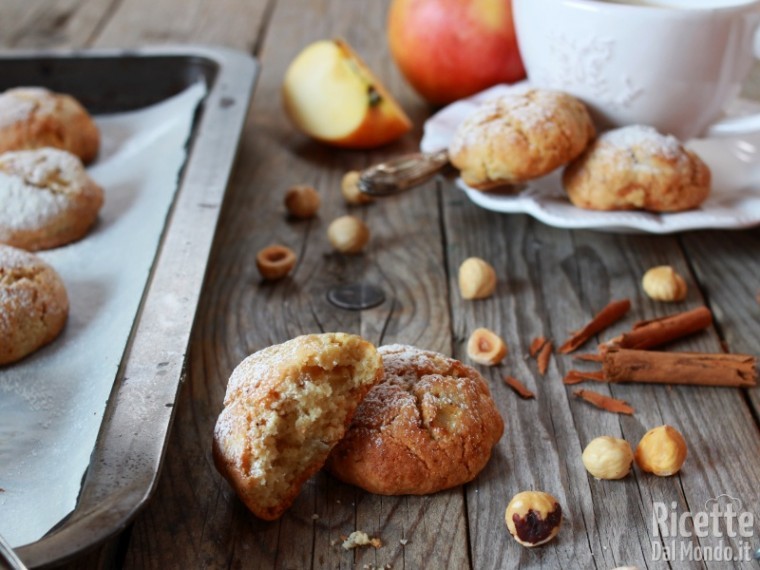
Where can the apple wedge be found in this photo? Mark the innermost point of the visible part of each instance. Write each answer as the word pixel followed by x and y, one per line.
pixel 331 95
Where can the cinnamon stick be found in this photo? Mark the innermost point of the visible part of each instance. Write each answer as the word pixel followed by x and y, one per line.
pixel 696 369
pixel 578 376
pixel 518 387
pixel 656 332
pixel 537 344
pixel 605 402
pixel 543 358
pixel 612 313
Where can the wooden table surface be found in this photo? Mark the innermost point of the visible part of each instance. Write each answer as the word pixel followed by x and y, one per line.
pixel 551 281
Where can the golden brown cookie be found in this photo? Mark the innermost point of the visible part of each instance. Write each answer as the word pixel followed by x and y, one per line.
pixel 33 304
pixel 47 199
pixel 519 136
pixel 286 407
pixel 637 168
pixel 428 426
pixel 33 117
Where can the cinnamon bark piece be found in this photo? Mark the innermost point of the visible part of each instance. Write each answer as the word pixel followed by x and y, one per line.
pixel 519 387
pixel 604 402
pixel 543 358
pixel 612 313
pixel 578 376
pixel 696 369
pixel 656 332
pixel 537 344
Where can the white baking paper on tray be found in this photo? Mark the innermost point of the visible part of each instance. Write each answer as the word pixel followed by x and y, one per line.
pixel 52 403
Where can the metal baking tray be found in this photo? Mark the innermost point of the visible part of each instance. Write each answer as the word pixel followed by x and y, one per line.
pixel 127 457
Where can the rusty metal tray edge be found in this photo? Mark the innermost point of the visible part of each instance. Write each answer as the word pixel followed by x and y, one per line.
pixel 125 463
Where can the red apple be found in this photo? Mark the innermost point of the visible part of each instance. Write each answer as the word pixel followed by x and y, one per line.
pixel 449 49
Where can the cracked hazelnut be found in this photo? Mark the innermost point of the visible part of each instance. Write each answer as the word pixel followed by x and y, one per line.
pixel 275 261
pixel 349 187
pixel 348 234
pixel 661 451
pixel 302 201
pixel 477 278
pixel 664 284
pixel 533 517
pixel 608 457
pixel 486 347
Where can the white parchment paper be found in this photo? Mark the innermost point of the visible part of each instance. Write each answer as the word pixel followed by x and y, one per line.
pixel 52 403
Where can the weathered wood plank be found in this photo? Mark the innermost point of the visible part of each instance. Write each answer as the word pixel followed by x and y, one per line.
pixel 540 446
pixel 232 23
pixel 728 267
pixel 552 282
pixel 40 24
pixel 239 314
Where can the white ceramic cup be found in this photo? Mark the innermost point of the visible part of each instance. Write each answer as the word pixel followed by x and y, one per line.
pixel 671 64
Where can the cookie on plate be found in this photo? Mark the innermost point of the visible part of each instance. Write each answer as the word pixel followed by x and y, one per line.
pixel 34 117
pixel 519 136
pixel 33 304
pixel 637 168
pixel 429 425
pixel 47 198
pixel 285 408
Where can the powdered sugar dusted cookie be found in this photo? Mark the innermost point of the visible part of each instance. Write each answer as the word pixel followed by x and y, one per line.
pixel 33 304
pixel 286 407
pixel 47 199
pixel 429 425
pixel 519 136
pixel 634 168
pixel 33 117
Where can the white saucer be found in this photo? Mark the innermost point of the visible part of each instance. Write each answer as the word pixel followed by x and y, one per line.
pixel 734 202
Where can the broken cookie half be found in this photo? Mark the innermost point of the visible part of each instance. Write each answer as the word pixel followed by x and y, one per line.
pixel 285 408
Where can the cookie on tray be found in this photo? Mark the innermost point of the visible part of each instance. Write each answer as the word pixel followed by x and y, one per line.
pixel 47 198
pixel 33 304
pixel 518 136
pixel 637 168
pixel 285 408
pixel 34 117
pixel 429 425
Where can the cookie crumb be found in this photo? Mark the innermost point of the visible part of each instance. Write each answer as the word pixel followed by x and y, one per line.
pixel 359 538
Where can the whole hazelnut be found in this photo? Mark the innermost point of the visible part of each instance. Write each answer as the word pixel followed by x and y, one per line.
pixel 275 261
pixel 608 457
pixel 664 284
pixel 661 451
pixel 349 187
pixel 302 201
pixel 477 278
pixel 348 234
pixel 533 517
pixel 486 347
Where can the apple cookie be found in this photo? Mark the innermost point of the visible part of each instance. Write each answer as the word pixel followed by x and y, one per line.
pixel 637 168
pixel 428 426
pixel 286 407
pixel 47 198
pixel 33 304
pixel 33 117
pixel 519 136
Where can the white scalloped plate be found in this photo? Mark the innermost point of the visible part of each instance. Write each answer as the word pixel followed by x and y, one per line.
pixel 734 202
